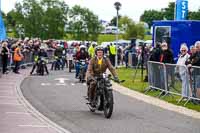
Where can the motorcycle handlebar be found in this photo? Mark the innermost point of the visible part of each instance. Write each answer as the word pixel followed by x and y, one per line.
pixel 118 81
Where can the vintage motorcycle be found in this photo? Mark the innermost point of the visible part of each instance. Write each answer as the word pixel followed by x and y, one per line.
pixel 82 73
pixel 70 59
pixel 103 99
pixel 42 63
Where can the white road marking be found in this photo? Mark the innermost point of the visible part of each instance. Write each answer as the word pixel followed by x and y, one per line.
pixel 84 84
pixel 9 97
pixel 16 104
pixel 61 80
pixel 45 84
pixel 60 84
pixel 72 84
pixel 37 126
pixel 18 113
pixel 6 91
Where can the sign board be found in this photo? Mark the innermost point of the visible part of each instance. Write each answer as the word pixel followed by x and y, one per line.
pixel 181 9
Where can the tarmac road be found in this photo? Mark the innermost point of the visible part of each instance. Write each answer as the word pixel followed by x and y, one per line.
pixel 62 101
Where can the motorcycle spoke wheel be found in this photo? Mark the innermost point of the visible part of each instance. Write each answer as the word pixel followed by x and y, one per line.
pixel 108 106
pixel 92 109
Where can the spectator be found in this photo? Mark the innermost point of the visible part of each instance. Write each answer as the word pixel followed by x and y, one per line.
pixel 91 50
pixel 119 55
pixel 155 53
pixel 182 70
pixel 129 49
pixel 195 61
pixel 5 52
pixel 17 58
pixel 192 50
pixel 112 53
pixel 192 54
pixel 166 55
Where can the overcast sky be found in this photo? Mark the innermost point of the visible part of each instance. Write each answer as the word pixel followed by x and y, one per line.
pixel 105 8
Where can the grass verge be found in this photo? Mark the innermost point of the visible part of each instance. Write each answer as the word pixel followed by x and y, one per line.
pixel 134 82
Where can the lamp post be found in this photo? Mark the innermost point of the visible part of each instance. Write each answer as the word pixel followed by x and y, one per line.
pixel 117 7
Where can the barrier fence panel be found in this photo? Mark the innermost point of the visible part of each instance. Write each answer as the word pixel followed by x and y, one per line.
pixel 132 60
pixel 27 60
pixel 27 57
pixel 50 54
pixel 178 80
pixel 194 75
pixel 157 76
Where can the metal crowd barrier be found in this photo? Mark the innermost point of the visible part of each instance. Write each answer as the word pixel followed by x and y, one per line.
pixel 27 60
pixel 50 54
pixel 157 76
pixel 132 60
pixel 174 80
pixel 28 57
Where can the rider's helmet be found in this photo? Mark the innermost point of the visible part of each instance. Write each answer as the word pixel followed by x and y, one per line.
pixel 99 48
pixel 82 47
pixel 42 47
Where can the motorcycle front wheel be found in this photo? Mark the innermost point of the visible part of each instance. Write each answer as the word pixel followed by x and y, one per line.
pixel 42 69
pixel 70 65
pixel 81 76
pixel 108 105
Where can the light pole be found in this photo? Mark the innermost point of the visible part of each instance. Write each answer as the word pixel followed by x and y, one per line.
pixel 117 7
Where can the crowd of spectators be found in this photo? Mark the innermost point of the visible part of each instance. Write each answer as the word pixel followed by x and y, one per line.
pixel 17 51
pixel 186 67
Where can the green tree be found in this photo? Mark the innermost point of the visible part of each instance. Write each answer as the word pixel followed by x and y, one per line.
pixel 134 31
pixel 168 13
pixel 44 19
pixel 15 18
pixel 54 18
pixel 140 30
pixel 194 15
pixel 113 21
pixel 33 14
pixel 124 22
pixel 83 24
pixel 3 16
pixel 149 15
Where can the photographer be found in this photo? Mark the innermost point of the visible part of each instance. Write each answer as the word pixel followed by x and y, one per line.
pixel 5 53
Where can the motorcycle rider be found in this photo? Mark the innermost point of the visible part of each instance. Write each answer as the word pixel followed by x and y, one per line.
pixel 41 54
pixel 97 66
pixel 58 56
pixel 82 54
pixel 35 57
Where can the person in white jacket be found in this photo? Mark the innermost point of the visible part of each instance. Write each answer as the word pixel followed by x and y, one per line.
pixel 182 69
